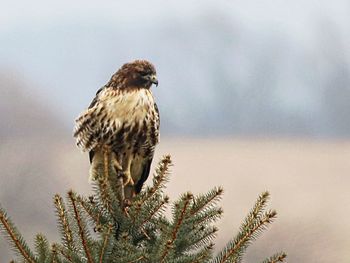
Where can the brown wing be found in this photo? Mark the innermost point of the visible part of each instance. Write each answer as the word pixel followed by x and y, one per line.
pixel 145 173
pixel 92 104
pixel 87 126
pixel 147 164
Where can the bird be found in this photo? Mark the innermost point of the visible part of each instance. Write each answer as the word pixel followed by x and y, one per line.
pixel 123 120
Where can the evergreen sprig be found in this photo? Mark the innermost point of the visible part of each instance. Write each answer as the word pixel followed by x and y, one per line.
pixel 41 247
pixel 20 247
pixel 63 223
pixel 278 257
pixel 256 221
pixel 106 228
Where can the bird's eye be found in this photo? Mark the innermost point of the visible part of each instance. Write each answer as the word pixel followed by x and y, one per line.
pixel 143 73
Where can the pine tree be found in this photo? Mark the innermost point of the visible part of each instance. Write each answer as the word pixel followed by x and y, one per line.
pixel 105 228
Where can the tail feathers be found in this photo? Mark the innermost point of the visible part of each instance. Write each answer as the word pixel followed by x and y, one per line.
pixel 97 167
pixel 94 172
pixel 97 171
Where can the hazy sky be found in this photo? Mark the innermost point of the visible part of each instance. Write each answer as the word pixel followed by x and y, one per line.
pixel 295 14
pixel 66 50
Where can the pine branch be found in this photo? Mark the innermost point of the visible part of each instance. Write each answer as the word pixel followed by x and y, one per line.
pixel 204 255
pixel 67 255
pixel 97 217
pixel 147 223
pixel 106 198
pixel 177 223
pixel 162 172
pixel 205 201
pixel 82 230
pixel 206 217
pixel 125 251
pixel 54 258
pixel 251 233
pixel 278 257
pixel 159 180
pixel 152 213
pixel 41 247
pixel 201 237
pixel 104 193
pixel 108 185
pixel 63 222
pixel 137 259
pixel 235 249
pixel 200 256
pixel 257 210
pixel 186 199
pixel 19 245
pixel 64 253
pixel 90 208
pixel 105 242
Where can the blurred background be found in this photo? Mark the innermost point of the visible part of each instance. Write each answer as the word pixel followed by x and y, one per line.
pixel 253 96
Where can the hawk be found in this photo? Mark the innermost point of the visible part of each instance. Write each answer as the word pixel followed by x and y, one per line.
pixel 124 119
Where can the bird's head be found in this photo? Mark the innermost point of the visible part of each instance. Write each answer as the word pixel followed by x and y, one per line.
pixel 136 74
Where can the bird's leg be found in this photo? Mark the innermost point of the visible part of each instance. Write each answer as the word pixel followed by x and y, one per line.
pixel 126 172
pixel 128 184
pixel 106 151
pixel 116 163
pixel 120 189
pixel 127 178
pixel 118 177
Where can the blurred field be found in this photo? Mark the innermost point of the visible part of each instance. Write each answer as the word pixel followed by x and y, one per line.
pixel 308 180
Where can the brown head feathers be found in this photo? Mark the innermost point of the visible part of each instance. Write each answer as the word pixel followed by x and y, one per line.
pixel 136 74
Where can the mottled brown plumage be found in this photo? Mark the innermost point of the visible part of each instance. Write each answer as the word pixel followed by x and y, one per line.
pixel 124 118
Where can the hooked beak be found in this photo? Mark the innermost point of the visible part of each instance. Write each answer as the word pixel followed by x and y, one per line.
pixel 154 80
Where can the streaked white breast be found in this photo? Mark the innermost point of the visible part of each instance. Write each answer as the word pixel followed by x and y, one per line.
pixel 131 106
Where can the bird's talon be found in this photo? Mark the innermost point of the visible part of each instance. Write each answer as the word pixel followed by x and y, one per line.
pixel 127 179
pixel 116 165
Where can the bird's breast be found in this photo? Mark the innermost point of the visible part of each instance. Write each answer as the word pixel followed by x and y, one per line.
pixel 130 107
